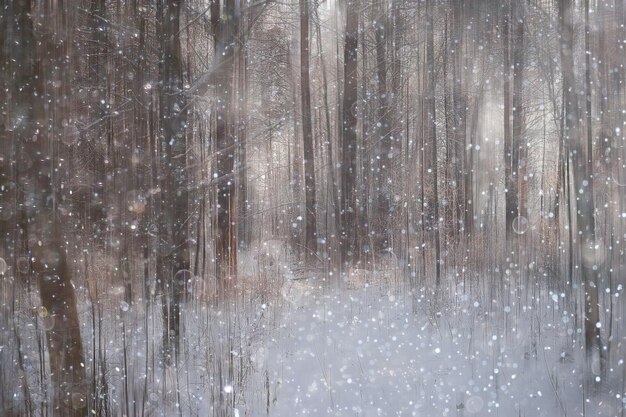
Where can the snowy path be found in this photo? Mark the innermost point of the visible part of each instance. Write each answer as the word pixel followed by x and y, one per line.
pixel 365 353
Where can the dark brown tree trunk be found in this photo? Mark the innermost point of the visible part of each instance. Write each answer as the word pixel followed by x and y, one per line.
pixel 294 148
pixel 141 146
pixel 383 145
pixel 329 137
pixel 459 98
pixel 307 134
pixel 173 120
pixel 243 228
pixel 604 65
pixel 431 109
pixel 39 216
pixel 226 231
pixel 348 137
pixel 510 184
pixel 518 148
pixel 7 169
pixel 97 65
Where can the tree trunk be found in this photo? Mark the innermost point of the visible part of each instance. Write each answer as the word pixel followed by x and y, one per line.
pixel 510 184
pixel 244 229
pixel 432 130
pixel 173 119
pixel 583 180
pixel 226 231
pixel 348 137
pixel 459 95
pixel 518 147
pixel 329 139
pixel 39 216
pixel 383 145
pixel 307 134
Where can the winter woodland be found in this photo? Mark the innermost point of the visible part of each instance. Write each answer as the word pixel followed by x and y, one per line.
pixel 230 208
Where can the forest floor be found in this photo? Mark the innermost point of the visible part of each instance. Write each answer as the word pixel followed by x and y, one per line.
pixel 295 342
pixel 372 349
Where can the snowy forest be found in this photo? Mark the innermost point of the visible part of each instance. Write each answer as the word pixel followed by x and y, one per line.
pixel 230 208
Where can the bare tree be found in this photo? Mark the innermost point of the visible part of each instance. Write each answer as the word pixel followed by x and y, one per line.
pixel 583 183
pixel 173 147
pixel 307 134
pixel 383 142
pixel 39 218
pixel 349 134
pixel 510 149
pixel 226 228
pixel 518 147
pixel 431 109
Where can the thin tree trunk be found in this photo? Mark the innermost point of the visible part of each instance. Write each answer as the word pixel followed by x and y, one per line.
pixel 226 231
pixel 510 200
pixel 349 138
pixel 459 95
pixel 383 144
pixel 244 229
pixel 329 136
pixel 518 147
pixel 583 180
pixel 432 120
pixel 173 119
pixel 307 135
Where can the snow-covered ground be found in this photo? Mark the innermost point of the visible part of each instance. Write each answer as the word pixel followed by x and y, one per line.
pixel 370 351
pixel 295 342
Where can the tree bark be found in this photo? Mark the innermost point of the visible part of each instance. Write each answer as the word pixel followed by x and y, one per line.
pixel 244 231
pixel 226 232
pixel 510 166
pixel 459 94
pixel 307 135
pixel 328 141
pixel 39 217
pixel 583 184
pixel 349 135
pixel 173 120
pixel 431 109
pixel 383 146
pixel 518 148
